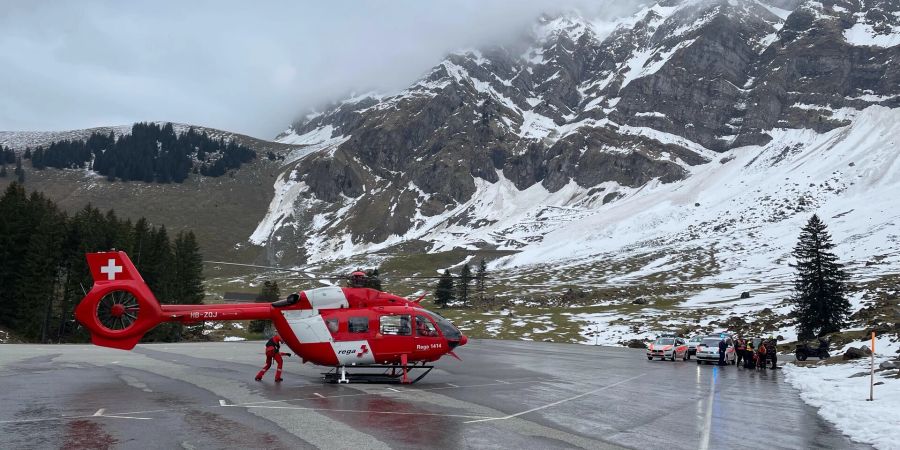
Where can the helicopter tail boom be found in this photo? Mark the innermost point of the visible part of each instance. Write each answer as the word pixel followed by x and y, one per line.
pixel 120 308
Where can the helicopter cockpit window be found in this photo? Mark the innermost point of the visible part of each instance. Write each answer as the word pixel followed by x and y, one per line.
pixel 358 325
pixel 396 325
pixel 424 327
pixel 332 325
pixel 450 332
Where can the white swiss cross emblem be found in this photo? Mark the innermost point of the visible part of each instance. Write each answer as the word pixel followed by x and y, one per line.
pixel 111 269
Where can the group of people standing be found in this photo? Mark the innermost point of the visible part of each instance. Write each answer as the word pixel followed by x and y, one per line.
pixel 756 355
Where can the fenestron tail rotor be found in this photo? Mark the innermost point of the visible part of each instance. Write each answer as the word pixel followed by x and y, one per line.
pixel 118 310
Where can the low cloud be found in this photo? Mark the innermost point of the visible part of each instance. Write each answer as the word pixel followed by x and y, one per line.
pixel 240 66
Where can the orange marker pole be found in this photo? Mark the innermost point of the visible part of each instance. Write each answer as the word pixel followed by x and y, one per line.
pixel 872 377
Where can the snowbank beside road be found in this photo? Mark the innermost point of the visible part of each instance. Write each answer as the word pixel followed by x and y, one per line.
pixel 841 399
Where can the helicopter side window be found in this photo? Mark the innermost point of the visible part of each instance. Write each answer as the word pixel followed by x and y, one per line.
pixel 396 325
pixel 332 325
pixel 424 327
pixel 358 325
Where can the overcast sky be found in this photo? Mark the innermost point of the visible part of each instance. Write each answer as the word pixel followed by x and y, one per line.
pixel 243 66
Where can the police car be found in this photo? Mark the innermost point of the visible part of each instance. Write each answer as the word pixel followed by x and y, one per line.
pixel 708 349
pixel 693 343
pixel 668 347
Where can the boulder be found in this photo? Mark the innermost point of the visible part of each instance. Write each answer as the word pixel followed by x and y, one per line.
pixel 639 301
pixel 745 295
pixel 857 353
pixel 636 343
pixel 888 365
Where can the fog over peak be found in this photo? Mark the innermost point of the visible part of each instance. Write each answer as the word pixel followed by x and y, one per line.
pixel 250 68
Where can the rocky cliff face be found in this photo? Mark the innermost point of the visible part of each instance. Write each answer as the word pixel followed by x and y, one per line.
pixel 583 114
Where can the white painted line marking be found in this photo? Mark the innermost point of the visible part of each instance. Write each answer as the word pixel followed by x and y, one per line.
pixel 366 411
pixel 559 401
pixel 128 417
pixel 392 389
pixel 452 385
pixel 707 420
pixel 100 413
pixel 501 381
pixel 413 390
pixel 318 395
pixel 222 402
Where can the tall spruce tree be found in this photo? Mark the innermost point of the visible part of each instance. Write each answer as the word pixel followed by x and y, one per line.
pixel 462 284
pixel 187 286
pixel 269 293
pixel 480 275
pixel 20 172
pixel 820 285
pixel 443 293
pixel 14 236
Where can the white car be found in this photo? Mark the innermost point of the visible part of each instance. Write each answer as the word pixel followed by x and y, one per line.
pixel 693 343
pixel 670 348
pixel 708 350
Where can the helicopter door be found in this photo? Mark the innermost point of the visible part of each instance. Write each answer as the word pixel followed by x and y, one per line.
pixel 427 339
pixel 396 335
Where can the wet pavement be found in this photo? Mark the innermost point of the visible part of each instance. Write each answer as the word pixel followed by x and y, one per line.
pixel 504 394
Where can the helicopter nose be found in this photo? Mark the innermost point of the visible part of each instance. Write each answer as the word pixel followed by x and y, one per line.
pixel 463 340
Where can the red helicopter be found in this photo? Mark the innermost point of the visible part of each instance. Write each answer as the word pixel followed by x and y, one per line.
pixel 355 327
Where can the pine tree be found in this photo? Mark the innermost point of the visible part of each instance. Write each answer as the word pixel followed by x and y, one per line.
pixel 462 284
pixel 3 170
pixel 268 294
pixel 20 172
pixel 187 286
pixel 480 275
pixel 820 285
pixel 37 275
pixel 14 233
pixel 156 269
pixel 443 294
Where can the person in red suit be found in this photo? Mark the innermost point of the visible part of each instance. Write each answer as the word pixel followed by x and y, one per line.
pixel 272 352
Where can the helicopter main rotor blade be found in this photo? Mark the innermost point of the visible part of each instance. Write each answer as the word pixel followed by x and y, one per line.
pixel 257 266
pixel 313 276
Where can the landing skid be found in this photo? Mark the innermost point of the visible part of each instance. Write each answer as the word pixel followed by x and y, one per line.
pixel 375 373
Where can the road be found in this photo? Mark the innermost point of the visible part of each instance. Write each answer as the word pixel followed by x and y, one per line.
pixel 504 394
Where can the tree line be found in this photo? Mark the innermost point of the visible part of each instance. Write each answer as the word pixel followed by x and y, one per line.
pixel 460 289
pixel 8 156
pixel 44 273
pixel 151 153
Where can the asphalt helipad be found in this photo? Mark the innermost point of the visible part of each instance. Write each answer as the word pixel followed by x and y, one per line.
pixel 504 394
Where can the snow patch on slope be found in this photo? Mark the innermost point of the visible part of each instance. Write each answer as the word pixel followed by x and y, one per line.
pixel 841 399
pixel 865 34
pixel 749 203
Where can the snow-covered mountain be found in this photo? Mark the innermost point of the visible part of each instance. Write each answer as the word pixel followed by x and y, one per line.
pixel 685 145
pixel 672 154
pixel 501 147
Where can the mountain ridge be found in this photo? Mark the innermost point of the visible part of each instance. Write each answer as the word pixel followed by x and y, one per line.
pixel 670 154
